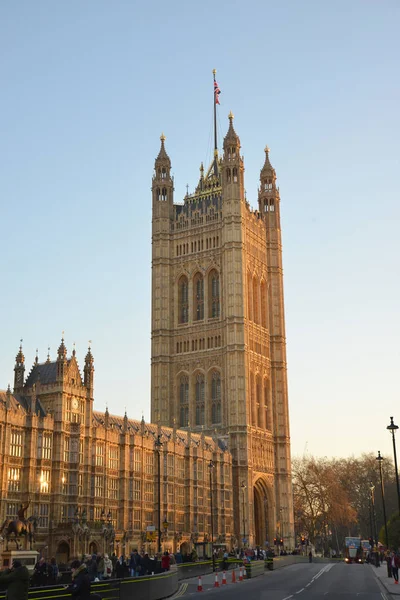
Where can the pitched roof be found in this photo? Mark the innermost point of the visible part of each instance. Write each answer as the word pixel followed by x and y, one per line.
pixel 46 372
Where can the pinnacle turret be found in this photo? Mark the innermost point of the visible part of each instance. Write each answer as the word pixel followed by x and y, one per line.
pixel 62 351
pixel 163 160
pixel 268 169
pixel 231 139
pixel 20 358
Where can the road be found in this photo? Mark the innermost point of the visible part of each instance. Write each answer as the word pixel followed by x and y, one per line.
pixel 298 582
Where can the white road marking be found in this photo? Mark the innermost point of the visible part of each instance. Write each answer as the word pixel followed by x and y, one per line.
pixel 383 596
pixel 299 592
pixel 308 584
pixel 287 597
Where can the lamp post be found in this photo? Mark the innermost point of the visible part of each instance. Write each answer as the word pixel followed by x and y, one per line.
pixel 243 487
pixel 379 458
pixel 372 489
pixel 158 445
pixel 211 466
pixel 392 428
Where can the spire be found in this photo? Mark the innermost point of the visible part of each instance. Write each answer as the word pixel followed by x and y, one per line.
pixel 37 357
pixel 231 138
pixel 88 369
pixel 163 158
pixel 73 350
pixel 20 358
pixel 48 355
pixel 216 93
pixel 267 169
pixel 62 350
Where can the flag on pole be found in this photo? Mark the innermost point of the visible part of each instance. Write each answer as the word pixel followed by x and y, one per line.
pixel 217 92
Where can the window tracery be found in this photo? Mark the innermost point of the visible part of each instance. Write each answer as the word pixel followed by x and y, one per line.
pixel 183 300
pixel 200 399
pixel 216 398
pixel 198 297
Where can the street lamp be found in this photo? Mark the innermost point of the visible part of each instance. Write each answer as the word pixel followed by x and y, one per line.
pixel 372 489
pixel 243 487
pixel 158 445
pixel 211 467
pixel 392 428
pixel 379 458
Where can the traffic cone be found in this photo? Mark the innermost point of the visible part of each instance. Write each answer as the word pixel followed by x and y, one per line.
pixel 216 582
pixel 240 573
pixel 223 578
pixel 199 585
pixel 233 576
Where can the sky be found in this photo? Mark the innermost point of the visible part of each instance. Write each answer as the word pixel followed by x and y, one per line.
pixel 86 90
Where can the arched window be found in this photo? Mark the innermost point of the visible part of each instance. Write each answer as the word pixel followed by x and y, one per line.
pixel 163 173
pixel 164 194
pixel 249 297
pixel 235 175
pixel 264 304
pixel 216 398
pixel 183 300
pixel 267 405
pixel 184 401
pixel 200 399
pixel 253 406
pixel 255 300
pixel 198 300
pixel 228 175
pixel 260 404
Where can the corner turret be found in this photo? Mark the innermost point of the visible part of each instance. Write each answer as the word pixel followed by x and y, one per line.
pixel 268 196
pixel 88 371
pixel 61 360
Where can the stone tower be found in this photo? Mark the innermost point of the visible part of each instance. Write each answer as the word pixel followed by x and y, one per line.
pixel 218 331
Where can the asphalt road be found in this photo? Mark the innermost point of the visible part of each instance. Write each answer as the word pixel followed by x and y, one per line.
pixel 298 582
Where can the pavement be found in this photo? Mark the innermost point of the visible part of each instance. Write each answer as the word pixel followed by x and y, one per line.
pixel 387 582
pixel 303 581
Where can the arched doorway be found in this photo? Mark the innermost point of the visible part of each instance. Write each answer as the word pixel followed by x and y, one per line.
pixel 262 514
pixel 93 548
pixel 62 554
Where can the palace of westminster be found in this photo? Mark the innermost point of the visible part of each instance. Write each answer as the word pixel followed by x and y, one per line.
pixel 219 402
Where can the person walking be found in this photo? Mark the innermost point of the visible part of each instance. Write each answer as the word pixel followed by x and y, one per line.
pixel 80 586
pixel 108 567
pixel 17 581
pixel 39 577
pixel 165 562
pixel 135 564
pixel 388 560
pixel 52 572
pixel 395 563
pixel 310 557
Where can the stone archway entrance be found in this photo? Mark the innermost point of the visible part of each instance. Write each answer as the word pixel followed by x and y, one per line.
pixel 62 554
pixel 93 548
pixel 262 514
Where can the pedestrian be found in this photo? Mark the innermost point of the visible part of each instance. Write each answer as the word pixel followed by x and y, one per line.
pixel 100 566
pixel 39 577
pixel 165 561
pixel 120 568
pixel 114 559
pixel 395 563
pixel 52 572
pixel 80 586
pixel 147 565
pixel 92 568
pixel 310 557
pixel 108 567
pixel 17 581
pixel 388 564
pixel 135 564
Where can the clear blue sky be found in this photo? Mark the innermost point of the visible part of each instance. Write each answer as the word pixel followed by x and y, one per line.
pixel 86 90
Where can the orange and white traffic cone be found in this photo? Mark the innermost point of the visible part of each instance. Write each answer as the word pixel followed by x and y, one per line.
pixel 199 585
pixel 240 573
pixel 223 578
pixel 216 582
pixel 233 576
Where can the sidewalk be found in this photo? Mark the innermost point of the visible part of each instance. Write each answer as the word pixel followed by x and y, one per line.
pixel 387 582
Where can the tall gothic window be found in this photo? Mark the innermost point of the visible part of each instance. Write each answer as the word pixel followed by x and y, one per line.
pixel 264 304
pixel 267 405
pixel 200 399
pixel 216 397
pixel 184 401
pixel 255 300
pixel 249 297
pixel 183 300
pixel 213 292
pixel 260 407
pixel 198 289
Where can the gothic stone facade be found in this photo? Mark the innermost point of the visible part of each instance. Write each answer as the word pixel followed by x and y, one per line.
pixel 56 450
pixel 218 330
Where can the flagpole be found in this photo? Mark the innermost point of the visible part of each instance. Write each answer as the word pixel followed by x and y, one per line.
pixel 215 127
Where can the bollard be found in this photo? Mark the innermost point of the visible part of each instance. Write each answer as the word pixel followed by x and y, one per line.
pixel 240 573
pixel 233 576
pixel 216 583
pixel 223 578
pixel 199 585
